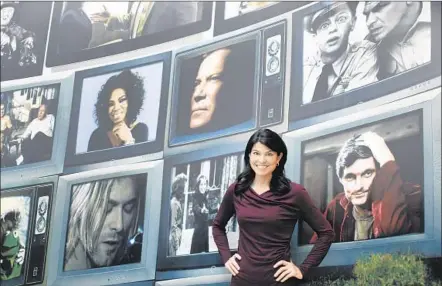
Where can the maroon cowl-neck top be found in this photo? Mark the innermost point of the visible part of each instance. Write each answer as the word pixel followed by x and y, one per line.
pixel 266 223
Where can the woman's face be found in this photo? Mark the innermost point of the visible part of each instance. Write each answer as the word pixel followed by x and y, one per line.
pixel 203 186
pixel 118 106
pixel 6 15
pixel 263 160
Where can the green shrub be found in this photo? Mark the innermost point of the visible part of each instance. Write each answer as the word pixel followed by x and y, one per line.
pixel 390 269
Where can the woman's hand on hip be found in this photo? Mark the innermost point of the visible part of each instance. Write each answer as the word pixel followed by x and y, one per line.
pixel 232 265
pixel 287 269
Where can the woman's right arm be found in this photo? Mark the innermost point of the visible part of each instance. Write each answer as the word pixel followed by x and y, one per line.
pixel 225 212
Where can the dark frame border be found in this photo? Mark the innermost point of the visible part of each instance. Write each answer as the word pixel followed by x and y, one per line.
pixel 222 26
pixel 145 148
pixel 298 112
pixel 34 189
pixel 53 59
pixel 191 261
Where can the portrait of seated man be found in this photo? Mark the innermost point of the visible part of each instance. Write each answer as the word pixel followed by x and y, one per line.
pixel 338 65
pixel 36 141
pixel 376 202
pixel 402 31
pixel 27 124
pixel 105 219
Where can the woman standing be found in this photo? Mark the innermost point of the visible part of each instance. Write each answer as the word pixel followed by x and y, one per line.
pixel 268 206
pixel 118 106
pixel 200 238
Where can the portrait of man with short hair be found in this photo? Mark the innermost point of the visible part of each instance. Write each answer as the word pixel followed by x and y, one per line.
pixel 361 43
pixel 105 225
pixel 368 181
pixel 402 31
pixel 28 124
pixel 216 89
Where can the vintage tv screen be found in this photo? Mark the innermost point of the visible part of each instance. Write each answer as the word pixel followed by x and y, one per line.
pixel 193 188
pixel 24 30
pixel 25 216
pixel 34 127
pixel 375 178
pixel 28 121
pixel 228 87
pixel 331 174
pixel 231 15
pixel 360 54
pixel 106 224
pixel 87 30
pixel 119 107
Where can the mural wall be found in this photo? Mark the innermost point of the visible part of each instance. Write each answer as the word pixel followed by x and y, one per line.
pixel 124 123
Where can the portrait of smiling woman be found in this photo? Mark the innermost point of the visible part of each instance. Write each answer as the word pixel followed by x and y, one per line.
pixel 268 206
pixel 116 110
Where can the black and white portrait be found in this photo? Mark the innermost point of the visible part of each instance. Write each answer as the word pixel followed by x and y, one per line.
pixel 24 30
pixel 28 124
pixel 119 109
pixel 106 221
pixel 368 181
pixel 89 25
pixel 196 192
pixel 360 43
pixel 216 90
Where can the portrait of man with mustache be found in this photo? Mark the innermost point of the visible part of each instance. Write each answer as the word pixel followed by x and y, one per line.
pixel 376 202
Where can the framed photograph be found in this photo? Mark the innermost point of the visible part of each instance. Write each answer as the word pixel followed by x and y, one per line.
pixel 374 177
pixel 106 217
pixel 119 107
pixel 87 30
pixel 24 30
pixel 348 53
pixel 34 128
pixel 25 218
pixel 193 188
pixel 231 15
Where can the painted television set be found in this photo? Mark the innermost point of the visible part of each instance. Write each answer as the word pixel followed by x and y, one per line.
pixel 229 86
pixel 119 112
pixel 194 185
pixel 231 15
pixel 24 33
pixel 107 226
pixel 375 175
pixel 86 30
pixel 347 54
pixel 34 124
pixel 25 218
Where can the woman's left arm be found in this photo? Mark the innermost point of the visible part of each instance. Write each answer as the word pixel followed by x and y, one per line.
pixel 316 220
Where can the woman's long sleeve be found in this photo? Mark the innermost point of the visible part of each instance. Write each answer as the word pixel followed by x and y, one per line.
pixel 225 212
pixel 313 216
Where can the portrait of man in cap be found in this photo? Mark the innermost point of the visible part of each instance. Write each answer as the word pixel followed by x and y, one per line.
pixel 402 31
pixel 340 65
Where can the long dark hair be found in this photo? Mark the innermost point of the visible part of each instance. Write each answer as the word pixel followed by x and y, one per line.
pixel 279 183
pixel 133 85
